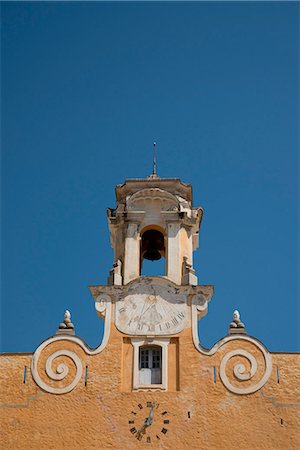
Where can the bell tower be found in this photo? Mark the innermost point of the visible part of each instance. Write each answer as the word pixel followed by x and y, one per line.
pixel 154 218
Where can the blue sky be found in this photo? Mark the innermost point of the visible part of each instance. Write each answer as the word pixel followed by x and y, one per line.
pixel 86 89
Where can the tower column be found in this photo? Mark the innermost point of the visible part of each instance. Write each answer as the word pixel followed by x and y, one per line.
pixel 173 253
pixel 132 253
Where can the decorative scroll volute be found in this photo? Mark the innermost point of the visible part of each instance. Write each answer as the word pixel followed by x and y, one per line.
pixel 200 303
pixel 57 365
pixel 101 302
pixel 246 365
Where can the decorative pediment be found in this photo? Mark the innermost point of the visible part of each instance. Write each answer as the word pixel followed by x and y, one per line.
pixel 164 200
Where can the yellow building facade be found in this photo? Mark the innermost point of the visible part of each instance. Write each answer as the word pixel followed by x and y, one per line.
pixel 151 384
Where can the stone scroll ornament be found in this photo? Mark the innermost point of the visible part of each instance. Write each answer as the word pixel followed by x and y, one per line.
pixel 247 366
pixel 58 371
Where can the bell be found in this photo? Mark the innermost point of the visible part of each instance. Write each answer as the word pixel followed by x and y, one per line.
pixel 152 254
pixel 152 245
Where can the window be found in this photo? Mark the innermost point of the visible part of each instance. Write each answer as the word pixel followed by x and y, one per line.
pixel 150 365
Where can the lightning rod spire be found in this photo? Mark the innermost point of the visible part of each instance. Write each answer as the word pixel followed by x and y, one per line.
pixel 154 159
pixel 153 175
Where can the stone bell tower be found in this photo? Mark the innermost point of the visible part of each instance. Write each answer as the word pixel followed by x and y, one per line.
pixel 154 219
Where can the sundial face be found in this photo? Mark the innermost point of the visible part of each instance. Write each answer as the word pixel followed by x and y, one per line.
pixel 151 309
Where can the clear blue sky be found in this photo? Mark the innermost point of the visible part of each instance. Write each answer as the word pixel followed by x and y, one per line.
pixel 86 89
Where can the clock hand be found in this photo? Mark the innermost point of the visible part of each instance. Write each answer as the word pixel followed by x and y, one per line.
pixel 149 420
pixel 146 424
pixel 141 430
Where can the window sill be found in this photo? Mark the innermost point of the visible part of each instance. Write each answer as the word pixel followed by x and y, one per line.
pixel 159 387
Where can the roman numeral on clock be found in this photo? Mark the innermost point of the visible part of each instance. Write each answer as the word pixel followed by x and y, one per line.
pixel 174 321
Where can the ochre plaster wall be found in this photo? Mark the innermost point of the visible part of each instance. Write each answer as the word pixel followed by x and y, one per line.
pixel 202 412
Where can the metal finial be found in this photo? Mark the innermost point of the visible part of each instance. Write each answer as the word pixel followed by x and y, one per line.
pixel 154 158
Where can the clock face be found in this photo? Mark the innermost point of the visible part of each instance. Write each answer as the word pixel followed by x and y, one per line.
pixel 149 422
pixel 152 310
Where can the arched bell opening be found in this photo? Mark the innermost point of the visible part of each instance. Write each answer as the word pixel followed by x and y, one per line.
pixel 152 252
